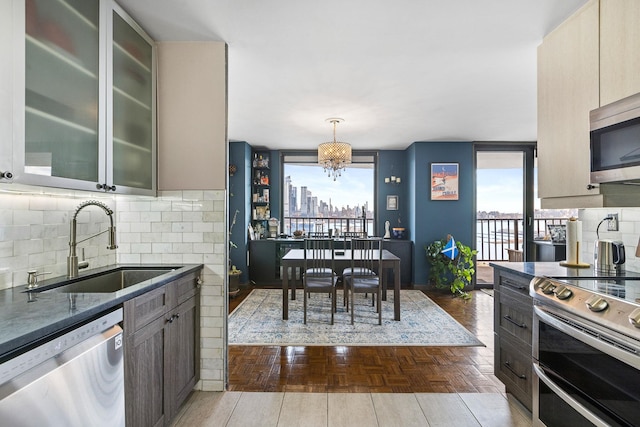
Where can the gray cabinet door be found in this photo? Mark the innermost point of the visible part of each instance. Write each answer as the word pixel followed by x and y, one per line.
pixel 145 372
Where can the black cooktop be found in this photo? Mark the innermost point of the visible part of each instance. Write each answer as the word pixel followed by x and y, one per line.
pixel 625 285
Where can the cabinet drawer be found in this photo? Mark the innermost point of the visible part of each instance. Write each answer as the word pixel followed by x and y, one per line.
pixel 184 288
pixel 514 316
pixel 141 310
pixel 515 283
pixel 515 369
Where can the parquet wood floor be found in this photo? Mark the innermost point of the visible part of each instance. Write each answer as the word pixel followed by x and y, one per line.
pixel 382 369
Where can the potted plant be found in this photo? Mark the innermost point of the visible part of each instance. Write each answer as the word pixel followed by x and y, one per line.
pixel 454 272
pixel 233 273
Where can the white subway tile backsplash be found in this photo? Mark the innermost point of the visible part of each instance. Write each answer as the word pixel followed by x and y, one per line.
pixel 129 258
pixel 171 216
pixel 192 237
pixel 153 259
pixel 171 237
pixel 181 227
pixel 175 227
pixel 6 249
pixel 182 248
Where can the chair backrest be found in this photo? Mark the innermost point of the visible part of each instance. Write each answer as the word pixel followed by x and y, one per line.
pixel 317 235
pixel 355 234
pixel 318 256
pixel 515 255
pixel 366 256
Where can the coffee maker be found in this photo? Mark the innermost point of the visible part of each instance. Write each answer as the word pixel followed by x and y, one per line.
pixel 274 227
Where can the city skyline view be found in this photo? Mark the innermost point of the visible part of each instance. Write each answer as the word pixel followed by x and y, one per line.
pixel 352 190
pixel 498 190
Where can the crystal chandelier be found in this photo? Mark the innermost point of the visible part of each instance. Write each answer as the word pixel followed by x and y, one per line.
pixel 334 156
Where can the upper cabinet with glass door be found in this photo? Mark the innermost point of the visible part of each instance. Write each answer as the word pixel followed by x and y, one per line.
pixel 132 137
pixel 89 109
pixel 62 126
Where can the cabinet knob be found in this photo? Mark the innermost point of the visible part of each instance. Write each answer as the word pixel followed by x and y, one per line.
pixel 591 187
pixel 6 175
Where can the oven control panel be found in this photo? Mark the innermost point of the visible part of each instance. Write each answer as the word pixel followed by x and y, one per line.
pixel 616 313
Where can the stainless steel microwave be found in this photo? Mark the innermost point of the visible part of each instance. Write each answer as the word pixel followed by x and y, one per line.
pixel 615 141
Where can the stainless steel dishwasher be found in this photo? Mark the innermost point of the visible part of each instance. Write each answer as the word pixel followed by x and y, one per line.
pixel 76 379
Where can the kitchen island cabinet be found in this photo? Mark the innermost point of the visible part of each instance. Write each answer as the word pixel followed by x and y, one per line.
pixel 513 319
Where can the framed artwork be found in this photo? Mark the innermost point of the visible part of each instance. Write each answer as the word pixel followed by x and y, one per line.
pixel 444 181
pixel 392 203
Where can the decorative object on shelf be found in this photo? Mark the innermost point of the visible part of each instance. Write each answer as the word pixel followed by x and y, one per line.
pixel 398 233
pixel 392 203
pixel 232 170
pixel 444 181
pixel 451 265
pixel 334 156
pixel 387 234
pixel 392 180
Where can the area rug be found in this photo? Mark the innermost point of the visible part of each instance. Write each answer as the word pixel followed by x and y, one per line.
pixel 258 321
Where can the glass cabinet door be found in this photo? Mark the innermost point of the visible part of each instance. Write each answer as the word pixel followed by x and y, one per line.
pixel 62 129
pixel 133 100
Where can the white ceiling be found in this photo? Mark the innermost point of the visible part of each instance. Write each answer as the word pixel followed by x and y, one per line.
pixel 397 72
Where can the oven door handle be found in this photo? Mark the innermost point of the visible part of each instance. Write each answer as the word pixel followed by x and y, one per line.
pixel 567 398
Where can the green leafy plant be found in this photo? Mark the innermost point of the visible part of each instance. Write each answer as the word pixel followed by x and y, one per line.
pixel 455 274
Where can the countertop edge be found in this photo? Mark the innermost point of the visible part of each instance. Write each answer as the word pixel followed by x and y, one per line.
pixel 88 306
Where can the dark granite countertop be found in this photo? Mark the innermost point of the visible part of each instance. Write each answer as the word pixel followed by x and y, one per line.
pixel 552 269
pixel 27 317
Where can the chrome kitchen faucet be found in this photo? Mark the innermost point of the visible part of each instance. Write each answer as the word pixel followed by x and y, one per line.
pixel 72 259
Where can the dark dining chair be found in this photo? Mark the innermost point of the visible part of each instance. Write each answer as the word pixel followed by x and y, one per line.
pixel 319 271
pixel 363 275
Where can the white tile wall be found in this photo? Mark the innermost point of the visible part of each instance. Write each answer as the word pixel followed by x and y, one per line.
pixel 184 227
pixel 176 227
pixel 34 234
pixel 628 232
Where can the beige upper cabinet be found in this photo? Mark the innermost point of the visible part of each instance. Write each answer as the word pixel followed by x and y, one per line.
pixel 590 60
pixel 619 49
pixel 567 90
pixel 192 115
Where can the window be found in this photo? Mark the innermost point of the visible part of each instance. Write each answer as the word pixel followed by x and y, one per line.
pixel 314 203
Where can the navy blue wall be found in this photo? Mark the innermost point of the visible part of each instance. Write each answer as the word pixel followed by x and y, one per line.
pixel 239 197
pixel 392 162
pixel 434 219
pixel 425 220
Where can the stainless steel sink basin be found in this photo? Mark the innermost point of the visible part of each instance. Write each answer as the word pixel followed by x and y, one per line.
pixel 111 281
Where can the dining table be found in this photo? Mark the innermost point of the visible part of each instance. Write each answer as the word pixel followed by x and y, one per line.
pixel 294 259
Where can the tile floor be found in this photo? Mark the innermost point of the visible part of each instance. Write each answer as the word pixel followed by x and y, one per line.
pixel 248 409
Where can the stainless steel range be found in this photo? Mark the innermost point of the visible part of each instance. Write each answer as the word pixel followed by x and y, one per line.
pixel 586 351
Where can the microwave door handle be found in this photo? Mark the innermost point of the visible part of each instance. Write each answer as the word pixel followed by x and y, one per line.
pixel 568 399
pixel 631 155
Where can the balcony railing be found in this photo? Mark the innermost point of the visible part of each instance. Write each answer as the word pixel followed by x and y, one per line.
pixel 494 236
pixel 337 225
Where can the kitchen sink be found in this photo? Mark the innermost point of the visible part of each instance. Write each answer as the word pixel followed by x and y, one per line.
pixel 110 281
